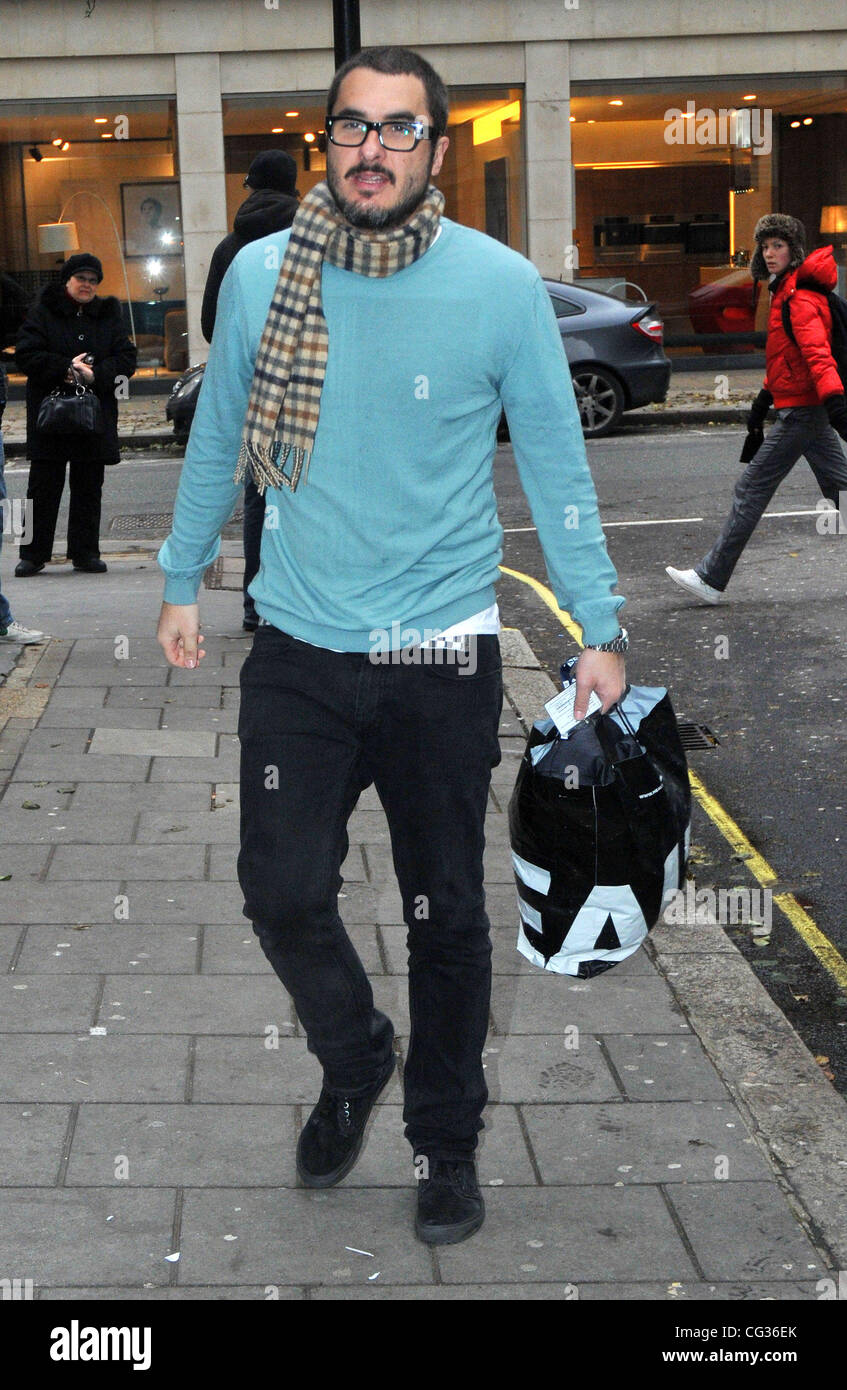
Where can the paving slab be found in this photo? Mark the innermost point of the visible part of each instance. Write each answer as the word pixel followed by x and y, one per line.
pixel 59 717
pixel 77 697
pixel 31 1138
pixel 154 743
pixel 81 768
pixel 567 1235
pixel 191 828
pixel 214 769
pixel 65 1236
pixel 207 673
pixel 295 1236
pixel 548 1071
pixel 745 1230
pixel 86 1067
pixel 162 697
pixel 53 741
pixel 118 674
pixel 673 1292
pixel 610 1002
pixel 177 1294
pixel 129 861
pixel 77 903
pixel 22 863
pixel 196 1004
pixel 40 1004
pixel 187 1145
pixel 183 795
pixel 117 948
pixel 387 1159
pixel 655 1142
pixel 219 721
pixel 194 903
pixel 10 937
pixel 49 826
pixel 664 1068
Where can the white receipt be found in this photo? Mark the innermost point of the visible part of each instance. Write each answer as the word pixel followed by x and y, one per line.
pixel 560 708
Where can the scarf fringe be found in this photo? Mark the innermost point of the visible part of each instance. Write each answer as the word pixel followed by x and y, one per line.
pixel 260 462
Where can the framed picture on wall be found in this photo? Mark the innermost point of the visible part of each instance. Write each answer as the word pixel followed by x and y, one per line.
pixel 152 217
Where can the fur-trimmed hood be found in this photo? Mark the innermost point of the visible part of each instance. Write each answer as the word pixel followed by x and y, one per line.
pixel 56 299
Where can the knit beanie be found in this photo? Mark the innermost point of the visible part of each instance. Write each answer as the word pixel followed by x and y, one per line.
pixel 273 169
pixel 83 260
pixel 781 225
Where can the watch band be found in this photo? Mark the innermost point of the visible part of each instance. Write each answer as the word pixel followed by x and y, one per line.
pixel 618 644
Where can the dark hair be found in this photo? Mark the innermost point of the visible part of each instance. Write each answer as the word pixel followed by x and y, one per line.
pixel 398 62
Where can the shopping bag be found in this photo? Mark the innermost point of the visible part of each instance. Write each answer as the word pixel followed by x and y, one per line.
pixel 599 826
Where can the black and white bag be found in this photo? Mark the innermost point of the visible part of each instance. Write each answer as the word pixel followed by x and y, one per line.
pixel 599 825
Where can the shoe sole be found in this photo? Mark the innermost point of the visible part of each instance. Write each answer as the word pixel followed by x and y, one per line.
pixel 330 1179
pixel 449 1235
pixel 690 589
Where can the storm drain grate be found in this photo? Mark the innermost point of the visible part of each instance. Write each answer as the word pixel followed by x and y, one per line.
pixel 696 736
pixel 153 523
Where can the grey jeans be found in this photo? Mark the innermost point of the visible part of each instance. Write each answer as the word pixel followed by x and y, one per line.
pixel 800 431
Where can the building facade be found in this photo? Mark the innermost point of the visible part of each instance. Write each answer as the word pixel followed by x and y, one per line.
pixel 604 139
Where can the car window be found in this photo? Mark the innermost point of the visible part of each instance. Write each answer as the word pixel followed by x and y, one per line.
pixel 564 308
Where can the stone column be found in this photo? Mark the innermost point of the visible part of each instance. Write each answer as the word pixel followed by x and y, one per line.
pixel 203 186
pixel 550 211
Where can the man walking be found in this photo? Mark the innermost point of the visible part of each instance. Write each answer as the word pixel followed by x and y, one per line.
pixel 373 370
pixel 270 207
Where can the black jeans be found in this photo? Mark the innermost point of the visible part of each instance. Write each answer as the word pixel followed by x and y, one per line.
pixel 44 489
pixel 799 431
pixel 254 520
pixel 316 728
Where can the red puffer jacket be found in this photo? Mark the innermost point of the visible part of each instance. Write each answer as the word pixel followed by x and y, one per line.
pixel 803 373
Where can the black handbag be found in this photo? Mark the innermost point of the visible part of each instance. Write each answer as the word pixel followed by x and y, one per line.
pixel 70 410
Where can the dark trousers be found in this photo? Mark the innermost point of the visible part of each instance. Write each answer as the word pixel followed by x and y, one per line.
pixel 799 431
pixel 316 728
pixel 254 520
pixel 44 489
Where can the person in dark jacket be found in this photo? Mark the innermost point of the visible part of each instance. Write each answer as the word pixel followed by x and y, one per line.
pixel 10 631
pixel 271 207
pixel 801 381
pixel 71 330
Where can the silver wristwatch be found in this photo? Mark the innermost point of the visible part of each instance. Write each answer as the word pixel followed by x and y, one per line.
pixel 618 644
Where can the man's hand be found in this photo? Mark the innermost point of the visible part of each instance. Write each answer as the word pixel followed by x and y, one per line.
pixel 80 365
pixel 600 671
pixel 179 634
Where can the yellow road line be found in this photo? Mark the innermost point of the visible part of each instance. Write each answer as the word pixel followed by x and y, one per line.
pixel 808 930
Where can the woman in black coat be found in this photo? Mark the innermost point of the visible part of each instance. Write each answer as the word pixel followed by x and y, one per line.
pixel 68 324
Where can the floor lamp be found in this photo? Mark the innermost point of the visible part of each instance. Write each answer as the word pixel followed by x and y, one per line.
pixel 59 238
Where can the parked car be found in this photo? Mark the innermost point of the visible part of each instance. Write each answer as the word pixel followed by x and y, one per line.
pixel 613 346
pixel 182 402
pixel 614 350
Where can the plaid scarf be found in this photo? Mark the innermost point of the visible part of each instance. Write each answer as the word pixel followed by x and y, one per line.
pixel 288 378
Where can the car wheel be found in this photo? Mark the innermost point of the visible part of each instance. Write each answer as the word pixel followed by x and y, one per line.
pixel 599 399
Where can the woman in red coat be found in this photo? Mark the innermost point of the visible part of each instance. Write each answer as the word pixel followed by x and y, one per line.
pixel 801 382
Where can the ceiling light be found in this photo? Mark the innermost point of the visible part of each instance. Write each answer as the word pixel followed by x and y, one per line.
pixel 794 125
pixel 808 120
pixel 277 129
pixel 106 135
pixel 592 121
pixel 292 113
pixel 57 141
pixel 616 103
pixel 571 118
pixel 751 96
pixel 101 120
pixel 309 137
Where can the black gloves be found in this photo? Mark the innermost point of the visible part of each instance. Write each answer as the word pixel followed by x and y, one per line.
pixel 837 412
pixel 752 444
pixel 758 412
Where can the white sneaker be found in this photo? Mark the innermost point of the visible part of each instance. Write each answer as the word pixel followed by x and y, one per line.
pixel 24 636
pixel 691 581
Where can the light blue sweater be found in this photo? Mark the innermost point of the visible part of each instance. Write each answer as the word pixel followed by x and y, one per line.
pixel 396 525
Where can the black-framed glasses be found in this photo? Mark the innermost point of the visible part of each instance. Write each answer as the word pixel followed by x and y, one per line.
pixel 393 135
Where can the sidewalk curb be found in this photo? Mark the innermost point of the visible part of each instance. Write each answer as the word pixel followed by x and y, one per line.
pixel 795 1115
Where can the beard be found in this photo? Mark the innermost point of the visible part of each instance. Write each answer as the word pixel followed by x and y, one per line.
pixel 377 219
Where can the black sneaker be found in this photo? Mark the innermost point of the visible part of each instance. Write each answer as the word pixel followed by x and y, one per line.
pixel 25 568
pixel 91 565
pixel 450 1205
pixel 332 1137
